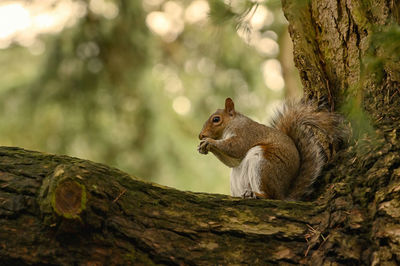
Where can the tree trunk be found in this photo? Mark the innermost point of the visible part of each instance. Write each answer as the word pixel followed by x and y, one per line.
pixel 348 55
pixel 62 210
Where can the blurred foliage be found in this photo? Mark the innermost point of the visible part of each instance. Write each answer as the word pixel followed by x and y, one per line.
pixel 384 52
pixel 112 91
pixel 382 58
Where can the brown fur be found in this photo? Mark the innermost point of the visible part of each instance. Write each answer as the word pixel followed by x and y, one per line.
pixel 299 121
pixel 293 154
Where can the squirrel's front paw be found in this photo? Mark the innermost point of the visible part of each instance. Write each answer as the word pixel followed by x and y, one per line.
pixel 204 146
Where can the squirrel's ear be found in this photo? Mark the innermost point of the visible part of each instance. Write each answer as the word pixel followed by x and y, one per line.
pixel 229 106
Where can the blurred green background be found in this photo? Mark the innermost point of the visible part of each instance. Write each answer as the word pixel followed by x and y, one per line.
pixel 130 83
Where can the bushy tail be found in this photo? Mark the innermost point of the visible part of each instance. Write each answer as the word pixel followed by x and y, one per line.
pixel 309 129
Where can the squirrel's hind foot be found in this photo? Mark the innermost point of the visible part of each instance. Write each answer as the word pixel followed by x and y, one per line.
pixel 253 195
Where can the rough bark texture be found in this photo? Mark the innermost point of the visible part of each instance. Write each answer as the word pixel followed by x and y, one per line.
pixel 337 45
pixel 62 210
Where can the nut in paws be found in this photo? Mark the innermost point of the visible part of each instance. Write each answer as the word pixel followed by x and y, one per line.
pixel 204 146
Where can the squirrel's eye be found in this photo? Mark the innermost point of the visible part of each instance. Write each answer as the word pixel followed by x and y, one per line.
pixel 216 119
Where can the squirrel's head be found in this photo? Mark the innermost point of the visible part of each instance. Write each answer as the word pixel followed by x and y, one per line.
pixel 214 126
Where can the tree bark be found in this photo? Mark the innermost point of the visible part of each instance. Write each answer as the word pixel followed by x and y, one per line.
pixel 62 210
pixel 348 56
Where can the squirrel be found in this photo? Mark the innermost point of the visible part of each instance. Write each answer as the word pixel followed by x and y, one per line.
pixel 280 161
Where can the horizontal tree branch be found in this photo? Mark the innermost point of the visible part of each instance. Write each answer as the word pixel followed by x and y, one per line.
pixel 62 210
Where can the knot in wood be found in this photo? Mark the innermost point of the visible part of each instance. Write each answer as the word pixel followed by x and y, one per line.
pixel 69 199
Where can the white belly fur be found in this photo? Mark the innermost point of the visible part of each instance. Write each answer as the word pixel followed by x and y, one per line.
pixel 246 176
